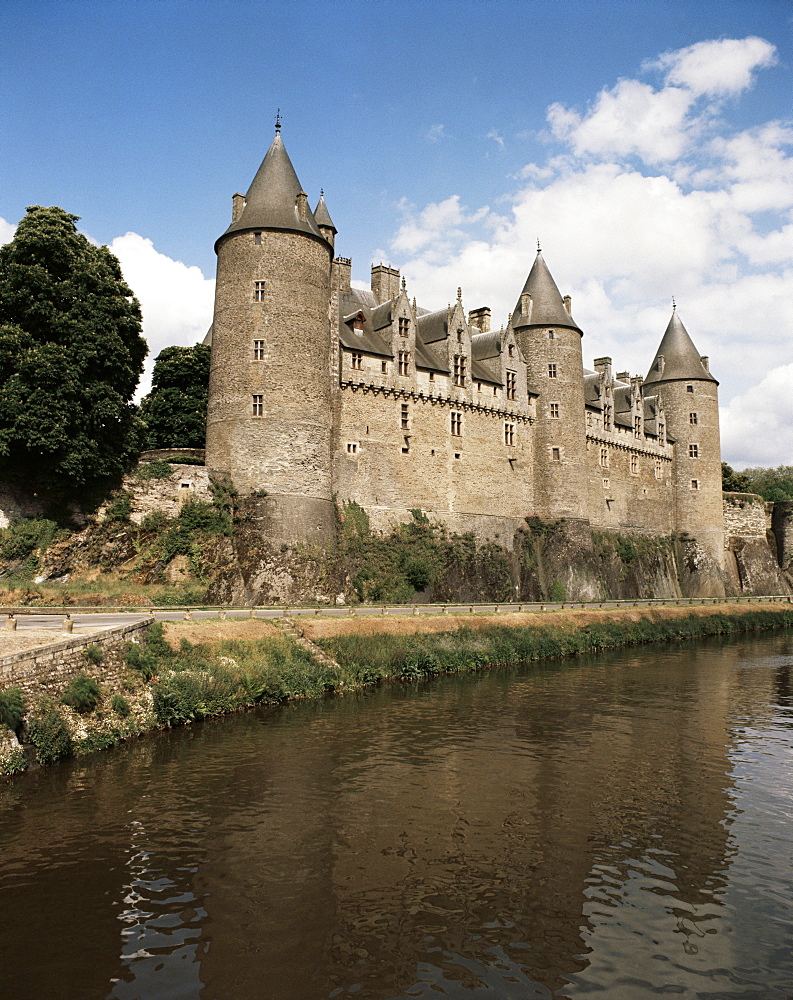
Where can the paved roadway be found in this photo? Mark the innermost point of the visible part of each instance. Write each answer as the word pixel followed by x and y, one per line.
pixel 36 620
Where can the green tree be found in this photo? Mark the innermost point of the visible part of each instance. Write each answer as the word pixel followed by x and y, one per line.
pixel 71 354
pixel 732 481
pixel 175 410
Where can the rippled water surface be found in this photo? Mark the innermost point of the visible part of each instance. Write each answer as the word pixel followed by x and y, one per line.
pixel 615 826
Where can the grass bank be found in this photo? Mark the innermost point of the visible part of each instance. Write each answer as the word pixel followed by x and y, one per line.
pixel 189 670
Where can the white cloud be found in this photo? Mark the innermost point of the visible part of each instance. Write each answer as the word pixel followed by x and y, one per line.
pixel 704 212
pixel 7 230
pixel 723 66
pixel 757 426
pixel 436 132
pixel 498 139
pixel 176 300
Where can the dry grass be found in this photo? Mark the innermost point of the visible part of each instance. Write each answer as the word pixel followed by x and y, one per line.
pixel 211 632
pixel 326 628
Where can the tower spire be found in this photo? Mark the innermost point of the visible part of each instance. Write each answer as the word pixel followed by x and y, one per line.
pixel 278 121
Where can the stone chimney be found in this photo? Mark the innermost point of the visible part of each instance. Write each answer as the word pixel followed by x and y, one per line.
pixel 481 318
pixel 568 304
pixel 623 376
pixel 237 205
pixel 301 202
pixel 525 305
pixel 385 283
pixel 342 272
pixel 660 363
pixel 603 367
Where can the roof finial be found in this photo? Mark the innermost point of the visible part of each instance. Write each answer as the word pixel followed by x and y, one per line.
pixel 404 285
pixel 538 247
pixel 459 294
pixel 322 192
pixel 278 120
pixel 674 304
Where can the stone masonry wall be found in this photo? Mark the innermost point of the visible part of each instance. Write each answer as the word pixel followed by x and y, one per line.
pixel 186 482
pixel 744 515
pixel 48 669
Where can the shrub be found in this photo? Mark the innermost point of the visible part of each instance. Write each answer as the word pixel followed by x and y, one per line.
pixel 50 735
pixel 22 538
pixel 120 506
pixel 96 741
pixel 155 521
pixel 120 706
pixel 82 694
pixel 12 707
pixel 159 469
pixel 93 654
pixel 558 592
pixel 13 762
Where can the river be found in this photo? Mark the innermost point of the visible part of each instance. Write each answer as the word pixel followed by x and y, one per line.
pixel 616 826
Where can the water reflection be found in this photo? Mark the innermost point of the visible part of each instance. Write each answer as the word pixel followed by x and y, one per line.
pixel 612 825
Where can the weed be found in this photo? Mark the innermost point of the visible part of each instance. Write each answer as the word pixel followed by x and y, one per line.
pixel 50 735
pixel 558 592
pixel 158 469
pixel 119 507
pixel 82 694
pixel 94 654
pixel 13 762
pixel 12 707
pixel 120 705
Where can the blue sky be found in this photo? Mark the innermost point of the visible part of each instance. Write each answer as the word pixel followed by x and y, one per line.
pixel 646 144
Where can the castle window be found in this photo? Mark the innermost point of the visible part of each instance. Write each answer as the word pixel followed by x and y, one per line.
pixel 356 361
pixel 512 384
pixel 511 350
pixel 604 457
pixel 352 447
pixel 357 323
pixel 258 291
pixel 634 465
pixel 692 418
pixel 257 239
pixel 432 376
pixel 258 404
pixel 478 386
pixel 607 416
pixel 662 433
pixel 637 427
pixel 693 451
pixel 694 484
pixel 551 335
pixel 384 367
pixel 658 468
pixel 509 433
pixel 495 390
pixel 556 454
pixel 553 410
pixel 689 388
pixel 404 417
pixel 404 326
pixel 551 371
pixel 459 369
pixel 258 350
pixel 606 484
pixel 456 423
pixel 404 361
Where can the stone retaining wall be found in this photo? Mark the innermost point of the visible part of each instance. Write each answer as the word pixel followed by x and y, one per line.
pixel 744 516
pixel 48 669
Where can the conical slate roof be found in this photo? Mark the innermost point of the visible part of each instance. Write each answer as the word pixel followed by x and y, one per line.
pixel 322 215
pixel 271 201
pixel 547 306
pixel 681 358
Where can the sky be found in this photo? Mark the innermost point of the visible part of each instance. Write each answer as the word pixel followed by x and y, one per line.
pixel 646 144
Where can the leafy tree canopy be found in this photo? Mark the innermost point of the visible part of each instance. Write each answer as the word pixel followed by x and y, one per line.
pixel 771 484
pixel 175 410
pixel 732 481
pixel 71 354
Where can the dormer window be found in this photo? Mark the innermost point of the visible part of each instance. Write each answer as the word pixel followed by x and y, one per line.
pixel 404 326
pixel 357 323
pixel 511 351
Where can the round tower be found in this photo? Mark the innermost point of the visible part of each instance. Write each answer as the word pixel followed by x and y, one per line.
pixel 550 341
pixel 269 412
pixel 691 403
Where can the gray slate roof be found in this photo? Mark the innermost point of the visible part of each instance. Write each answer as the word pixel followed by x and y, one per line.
pixel 322 215
pixel 681 358
pixel 367 340
pixel 271 198
pixel 547 306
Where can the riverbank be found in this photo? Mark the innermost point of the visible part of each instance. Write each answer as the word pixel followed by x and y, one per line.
pixel 187 670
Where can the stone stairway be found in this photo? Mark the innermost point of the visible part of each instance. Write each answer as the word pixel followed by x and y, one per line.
pixel 289 627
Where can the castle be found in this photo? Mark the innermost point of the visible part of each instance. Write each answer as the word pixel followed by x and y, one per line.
pixel 320 391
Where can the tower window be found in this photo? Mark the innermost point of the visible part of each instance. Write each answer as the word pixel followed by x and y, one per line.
pixel 658 468
pixel 352 447
pixel 432 376
pixel 384 367
pixel 689 388
pixel 258 404
pixel 404 326
pixel 456 423
pixel 356 361
pixel 604 457
pixel 634 465
pixel 509 433
pixel 693 451
pixel 257 239
pixel 258 350
pixel 692 418
pixel 404 418
pixel 459 369
pixel 258 291
pixel 551 335
pixel 553 410
pixel 512 384
pixel 556 454
pixel 694 484
pixel 404 361
pixel 607 417
pixel 551 371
